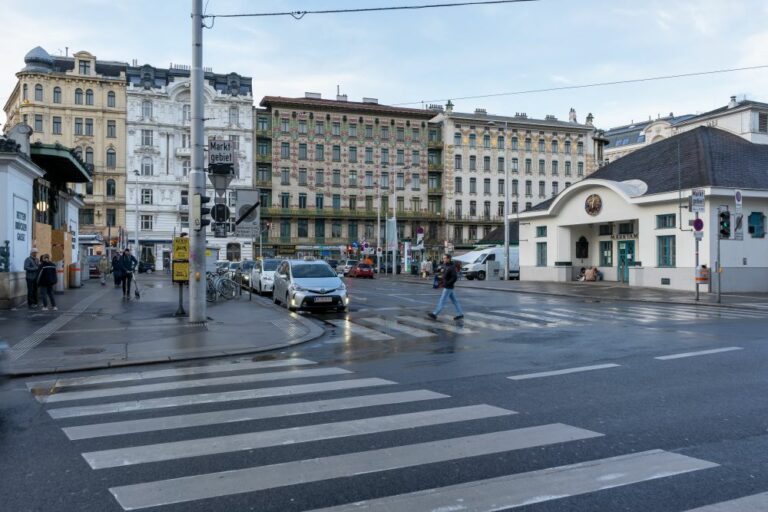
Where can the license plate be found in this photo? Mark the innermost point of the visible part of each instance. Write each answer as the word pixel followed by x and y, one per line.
pixel 323 299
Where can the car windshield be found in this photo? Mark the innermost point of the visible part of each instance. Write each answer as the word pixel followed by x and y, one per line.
pixel 234 265
pixel 364 266
pixel 480 258
pixel 352 262
pixel 313 270
pixel 248 265
pixel 271 265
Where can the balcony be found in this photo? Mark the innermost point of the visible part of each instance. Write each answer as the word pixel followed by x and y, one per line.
pixel 264 158
pixel 263 183
pixel 264 133
pixel 435 191
pixel 436 166
pixel 435 143
pixel 183 208
pixel 183 152
pixel 474 219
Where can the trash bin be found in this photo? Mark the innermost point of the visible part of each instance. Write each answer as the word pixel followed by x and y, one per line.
pixel 85 270
pixel 74 275
pixel 59 277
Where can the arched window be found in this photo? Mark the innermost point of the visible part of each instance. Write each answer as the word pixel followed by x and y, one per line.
pixel 111 158
pixel 234 115
pixel 146 166
pixel 57 94
pixel 24 92
pixel 89 156
pixel 89 97
pixel 79 152
pixel 111 189
pixel 146 109
pixel 233 251
pixel 111 99
pixel 78 96
pixel 38 92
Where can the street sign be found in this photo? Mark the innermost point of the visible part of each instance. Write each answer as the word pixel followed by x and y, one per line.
pixel 220 213
pixel 180 271
pixel 738 199
pixel 697 200
pixel 698 224
pixel 698 235
pixel 378 250
pixel 221 152
pixel 181 248
pixel 738 230
pixel 219 230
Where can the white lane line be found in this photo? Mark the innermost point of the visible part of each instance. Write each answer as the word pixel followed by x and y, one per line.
pixel 254 440
pixel 209 398
pixel 365 332
pixel 249 414
pixel 211 485
pixel 170 372
pixel 563 372
pixel 436 324
pixel 699 353
pixel 519 490
pixel 186 384
pixel 394 326
pixel 753 503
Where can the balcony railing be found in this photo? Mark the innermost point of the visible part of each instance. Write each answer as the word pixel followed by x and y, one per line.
pixel 435 143
pixel 435 191
pixel 183 152
pixel 264 133
pixel 360 213
pixel 474 219
pixel 436 166
pixel 264 158
pixel 263 183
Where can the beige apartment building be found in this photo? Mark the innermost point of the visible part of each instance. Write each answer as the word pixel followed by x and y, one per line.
pixel 79 102
pixel 326 168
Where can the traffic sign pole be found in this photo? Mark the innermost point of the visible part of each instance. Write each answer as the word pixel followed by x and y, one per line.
pixel 696 225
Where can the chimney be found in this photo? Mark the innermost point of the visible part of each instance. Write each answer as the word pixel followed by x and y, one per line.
pixel 449 107
pixel 572 115
pixel 341 97
pixel 313 95
pixel 375 101
pixel 732 103
pixel 481 112
pixel 590 119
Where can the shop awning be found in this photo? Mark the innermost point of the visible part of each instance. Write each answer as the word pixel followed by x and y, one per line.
pixel 61 164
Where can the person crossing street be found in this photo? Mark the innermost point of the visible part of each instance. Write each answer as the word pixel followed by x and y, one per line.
pixel 449 280
pixel 127 265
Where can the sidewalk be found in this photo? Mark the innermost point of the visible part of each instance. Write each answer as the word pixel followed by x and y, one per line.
pixel 95 328
pixel 605 290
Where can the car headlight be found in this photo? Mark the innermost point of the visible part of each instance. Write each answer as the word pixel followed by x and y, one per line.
pixel 342 287
pixel 296 288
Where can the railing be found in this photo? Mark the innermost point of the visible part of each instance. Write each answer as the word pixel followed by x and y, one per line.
pixel 263 183
pixel 360 213
pixel 263 158
pixel 183 152
pixel 452 217
pixel 434 190
pixel 436 166
pixel 435 143
pixel 264 133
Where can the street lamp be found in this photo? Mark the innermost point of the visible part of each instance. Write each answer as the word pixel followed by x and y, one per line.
pixel 136 248
pixel 506 204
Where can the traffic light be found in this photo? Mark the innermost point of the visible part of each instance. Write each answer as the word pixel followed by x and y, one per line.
pixel 199 212
pixel 725 224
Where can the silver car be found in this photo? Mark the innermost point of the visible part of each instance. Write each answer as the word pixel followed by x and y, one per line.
pixel 345 266
pixel 309 285
pixel 263 276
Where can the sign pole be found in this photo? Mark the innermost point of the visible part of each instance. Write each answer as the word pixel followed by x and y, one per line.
pixel 697 261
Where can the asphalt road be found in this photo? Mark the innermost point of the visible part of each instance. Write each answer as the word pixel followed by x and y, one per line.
pixel 531 403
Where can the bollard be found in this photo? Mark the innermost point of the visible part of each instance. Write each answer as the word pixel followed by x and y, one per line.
pixel 59 288
pixel 75 276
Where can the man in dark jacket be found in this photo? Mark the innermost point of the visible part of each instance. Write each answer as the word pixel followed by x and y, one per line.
pixel 449 280
pixel 116 270
pixel 127 264
pixel 46 279
pixel 31 267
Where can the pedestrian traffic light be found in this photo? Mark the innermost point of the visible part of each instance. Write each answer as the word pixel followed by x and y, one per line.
pixel 199 212
pixel 725 224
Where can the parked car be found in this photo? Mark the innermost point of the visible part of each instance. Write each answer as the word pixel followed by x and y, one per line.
pixel 146 266
pixel 232 269
pixel 333 263
pixel 246 268
pixel 345 266
pixel 262 276
pixel 309 285
pixel 475 263
pixel 222 265
pixel 93 266
pixel 361 270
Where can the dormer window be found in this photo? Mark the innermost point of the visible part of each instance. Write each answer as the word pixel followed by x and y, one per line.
pixel 762 122
pixel 85 67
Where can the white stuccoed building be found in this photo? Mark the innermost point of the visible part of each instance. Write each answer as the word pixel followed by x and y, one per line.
pixel 158 159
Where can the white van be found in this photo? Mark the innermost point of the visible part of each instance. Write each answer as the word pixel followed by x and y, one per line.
pixel 477 268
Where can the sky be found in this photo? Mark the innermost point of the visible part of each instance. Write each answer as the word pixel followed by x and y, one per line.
pixel 428 56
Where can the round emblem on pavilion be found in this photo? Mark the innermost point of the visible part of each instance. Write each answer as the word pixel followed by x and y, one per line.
pixel 593 205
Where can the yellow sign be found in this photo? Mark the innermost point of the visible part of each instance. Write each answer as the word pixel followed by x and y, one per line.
pixel 180 271
pixel 181 248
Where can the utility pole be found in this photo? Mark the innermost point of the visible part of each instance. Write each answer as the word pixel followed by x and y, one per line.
pixel 378 229
pixel 506 210
pixel 197 281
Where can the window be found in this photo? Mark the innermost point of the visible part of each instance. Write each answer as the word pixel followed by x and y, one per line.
pixel 319 201
pixel 38 123
pixel 514 187
pixel 605 229
pixel 580 169
pixel 554 168
pixel 89 126
pixel 86 216
pixel 487 186
pixel 487 141
pixel 666 250
pixel 756 225
pixel 555 146
pixel 320 152
pixel 541 254
pixel 319 178
pixel 146 196
pixel 285 150
pixel 473 185
pixel 369 155
pixel 542 167
pixel 457 185
pixel 626 228
pixel 385 132
pixel 111 217
pixel 541 145
pixel 285 200
pixel 472 140
pixel 501 187
pixel 555 188
pixel 186 166
pixel 473 208
pixel 487 163
pixel 234 116
pixel 353 178
pixel 302 177
pixel 400 157
pixel 528 188
pixel 111 159
pixel 606 253
pixel 500 164
pixel 285 124
pixel 85 67
pixel 580 148
pixel 303 126
pixel 303 225
pixel 56 126
pixel 185 139
pixel 25 92
pixel 89 188
pixel 528 144
pixel 319 127
pixel 352 154
pixel 385 180
pixel 336 202
pixel 336 128
pixel 352 231
pixel 515 165
pixel 89 97
pixel 369 131
pixel 415 157
pixel 500 142
pixel 78 96
pixel 457 209
pixel 146 222
pixel 567 147
pixel 528 164
pixel 567 184
pixel 472 233
pixel 336 178
pixel 514 207
pixel 146 137
pixel 400 134
pixel 400 181
pixel 457 139
pixel 303 201
pixel 111 129
pixel 472 163
pixel 541 231
pixel 368 179
pixel 352 130
pixel 89 156
pixel 567 168
pixel 57 94
pixel 457 162
pixel 302 151
pixel 415 134
pixel 285 176
pixel 353 203
pixel 146 166
pixel 110 99
pixel 415 181
pixel 665 221
pixel 762 120
pixel 38 92
pixel 146 109
pixel 487 210
pixel 542 187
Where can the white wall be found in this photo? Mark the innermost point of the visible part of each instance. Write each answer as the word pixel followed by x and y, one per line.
pixel 16 201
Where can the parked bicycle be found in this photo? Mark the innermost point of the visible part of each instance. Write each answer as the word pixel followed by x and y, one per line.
pixel 219 286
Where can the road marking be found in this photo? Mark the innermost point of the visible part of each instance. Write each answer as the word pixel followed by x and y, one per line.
pixel 436 324
pixel 394 326
pixel 524 316
pixel 518 490
pixel 752 503
pixel 365 332
pixel 208 398
pixel 563 372
pixel 171 372
pixel 488 325
pixel 521 322
pixel 699 353
pixel 197 487
pixel 186 384
pixel 304 434
pixel 248 414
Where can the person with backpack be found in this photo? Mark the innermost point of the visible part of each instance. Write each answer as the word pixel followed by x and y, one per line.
pixel 46 280
pixel 116 270
pixel 449 280
pixel 127 265
pixel 104 267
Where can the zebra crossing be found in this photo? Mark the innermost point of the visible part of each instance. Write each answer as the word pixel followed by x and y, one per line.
pixel 377 328
pixel 115 410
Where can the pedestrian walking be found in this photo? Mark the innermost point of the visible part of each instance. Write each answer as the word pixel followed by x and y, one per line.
pixel 127 264
pixel 116 270
pixel 449 280
pixel 46 280
pixel 104 268
pixel 32 267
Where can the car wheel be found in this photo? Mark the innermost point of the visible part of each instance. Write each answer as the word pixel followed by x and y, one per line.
pixel 481 276
pixel 470 278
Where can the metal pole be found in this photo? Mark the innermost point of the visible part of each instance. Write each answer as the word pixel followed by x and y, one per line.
pixel 197 303
pixel 719 270
pixel 378 230
pixel 506 212
pixel 394 229
pixel 697 262
pixel 136 248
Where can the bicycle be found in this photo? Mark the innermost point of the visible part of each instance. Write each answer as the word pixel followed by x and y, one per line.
pixel 218 285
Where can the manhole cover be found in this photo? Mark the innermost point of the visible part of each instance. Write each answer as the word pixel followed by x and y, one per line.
pixel 84 351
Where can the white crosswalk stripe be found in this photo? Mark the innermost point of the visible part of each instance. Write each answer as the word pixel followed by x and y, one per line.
pixel 433 324
pixel 393 325
pixel 364 332
pixel 754 503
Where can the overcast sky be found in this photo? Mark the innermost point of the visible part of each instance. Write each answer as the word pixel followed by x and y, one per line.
pixel 411 56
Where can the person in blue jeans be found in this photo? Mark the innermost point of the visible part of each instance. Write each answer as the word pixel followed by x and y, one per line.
pixel 449 280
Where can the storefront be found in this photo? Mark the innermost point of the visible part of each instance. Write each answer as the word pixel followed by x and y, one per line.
pixel 631 219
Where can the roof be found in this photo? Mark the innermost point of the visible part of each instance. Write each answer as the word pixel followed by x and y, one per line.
pixel 60 164
pixel 741 105
pixel 633 133
pixel 702 157
pixel 521 120
pixel 496 236
pixel 345 106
